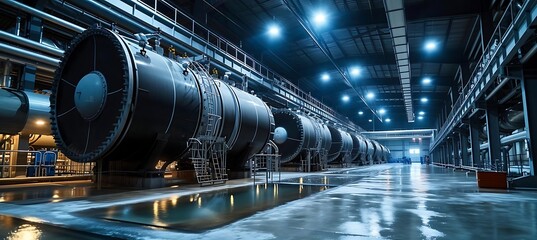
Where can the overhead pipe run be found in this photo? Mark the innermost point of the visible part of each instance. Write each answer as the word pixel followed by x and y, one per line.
pixel 516 137
pixel 29 43
pixel 24 112
pixel 27 54
pixel 529 54
pixel 502 83
pixel 395 13
pixel 44 15
pixel 401 134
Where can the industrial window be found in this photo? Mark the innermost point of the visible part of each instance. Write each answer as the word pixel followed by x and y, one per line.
pixel 414 151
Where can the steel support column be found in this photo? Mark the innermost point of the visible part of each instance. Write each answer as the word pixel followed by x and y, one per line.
pixel 28 78
pixel 455 144
pixel 22 157
pixel 450 148
pixel 445 154
pixel 464 149
pixel 474 143
pixel 493 135
pixel 441 154
pixel 529 89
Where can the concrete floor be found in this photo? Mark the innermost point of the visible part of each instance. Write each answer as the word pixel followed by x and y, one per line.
pixel 390 201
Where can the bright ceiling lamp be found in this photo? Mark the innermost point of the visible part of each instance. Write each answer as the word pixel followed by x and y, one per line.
pixel 427 81
pixel 274 30
pixel 382 111
pixel 325 77
pixel 355 72
pixel 431 46
pixel 320 18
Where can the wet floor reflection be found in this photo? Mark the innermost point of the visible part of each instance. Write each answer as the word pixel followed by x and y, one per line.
pixel 330 180
pixel 19 229
pixel 199 212
pixel 50 193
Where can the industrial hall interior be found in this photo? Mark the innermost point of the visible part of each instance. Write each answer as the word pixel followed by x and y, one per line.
pixel 268 119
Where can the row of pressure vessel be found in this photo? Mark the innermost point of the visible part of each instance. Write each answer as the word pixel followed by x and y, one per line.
pixel 296 134
pixel 115 100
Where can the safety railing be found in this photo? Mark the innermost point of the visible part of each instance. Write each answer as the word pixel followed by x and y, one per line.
pixel 501 44
pixel 161 10
pixel 519 164
pixel 66 167
pixel 40 164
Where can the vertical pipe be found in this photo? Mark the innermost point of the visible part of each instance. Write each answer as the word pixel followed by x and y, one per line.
pixel 18 26
pixel 6 78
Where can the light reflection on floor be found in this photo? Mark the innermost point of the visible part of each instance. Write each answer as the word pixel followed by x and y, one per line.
pixel 33 228
pixel 389 202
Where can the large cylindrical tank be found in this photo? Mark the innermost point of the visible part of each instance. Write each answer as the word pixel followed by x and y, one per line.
pixel 355 147
pixel 359 148
pixel 248 124
pixel 24 112
pixel 113 100
pixel 377 155
pixel 296 133
pixel 386 153
pixel 370 150
pixel 336 146
pixel 325 136
pixel 345 155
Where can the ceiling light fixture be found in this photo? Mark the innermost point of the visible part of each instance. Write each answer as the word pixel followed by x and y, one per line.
pixel 325 77
pixel 426 80
pixel 319 18
pixel 431 46
pixel 274 30
pixel 382 111
pixel 345 98
pixel 355 71
pixel 424 100
pixel 370 95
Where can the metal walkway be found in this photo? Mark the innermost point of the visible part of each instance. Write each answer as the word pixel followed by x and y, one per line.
pixel 514 28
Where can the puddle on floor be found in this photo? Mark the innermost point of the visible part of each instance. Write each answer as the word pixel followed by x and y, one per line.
pixel 204 211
